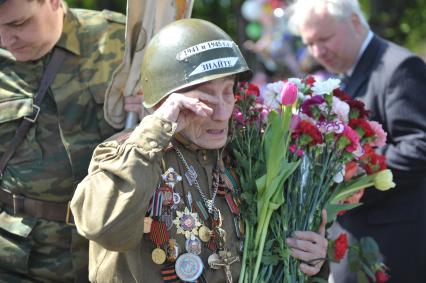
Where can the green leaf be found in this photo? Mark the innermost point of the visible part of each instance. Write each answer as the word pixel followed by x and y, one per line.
pixel 334 208
pixel 362 278
pixel 370 250
pixel 353 260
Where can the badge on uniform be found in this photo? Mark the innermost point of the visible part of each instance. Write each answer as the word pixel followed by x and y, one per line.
pixel 171 178
pixel 187 223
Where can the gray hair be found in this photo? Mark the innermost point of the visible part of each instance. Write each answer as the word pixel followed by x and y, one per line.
pixel 340 9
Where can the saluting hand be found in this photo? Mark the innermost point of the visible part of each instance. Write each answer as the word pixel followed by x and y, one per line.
pixel 182 108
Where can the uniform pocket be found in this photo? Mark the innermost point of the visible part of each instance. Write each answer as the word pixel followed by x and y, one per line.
pixel 12 111
pixel 15 247
pixel 15 109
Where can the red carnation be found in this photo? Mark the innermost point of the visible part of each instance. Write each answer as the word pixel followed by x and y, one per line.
pixel 381 276
pixel 371 161
pixel 310 80
pixel 357 109
pixel 307 129
pixel 362 125
pixel 340 246
pixel 252 89
pixel 343 96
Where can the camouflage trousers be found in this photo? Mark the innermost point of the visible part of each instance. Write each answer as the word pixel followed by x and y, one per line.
pixel 48 251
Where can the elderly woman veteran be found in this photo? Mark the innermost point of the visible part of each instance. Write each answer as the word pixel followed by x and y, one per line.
pixel 157 203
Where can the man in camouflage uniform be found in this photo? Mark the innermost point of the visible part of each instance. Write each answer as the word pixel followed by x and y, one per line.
pixel 55 154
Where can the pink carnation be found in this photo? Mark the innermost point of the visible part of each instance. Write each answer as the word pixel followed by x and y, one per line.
pixel 379 133
pixel 353 138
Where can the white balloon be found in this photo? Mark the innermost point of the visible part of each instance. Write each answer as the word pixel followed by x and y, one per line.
pixel 251 10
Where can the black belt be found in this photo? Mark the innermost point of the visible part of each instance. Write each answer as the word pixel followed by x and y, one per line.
pixel 48 210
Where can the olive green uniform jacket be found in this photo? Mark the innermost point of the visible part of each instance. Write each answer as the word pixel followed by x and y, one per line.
pixel 109 205
pixel 55 155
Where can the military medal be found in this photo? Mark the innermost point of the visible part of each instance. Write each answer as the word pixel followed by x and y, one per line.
pixel 189 267
pixel 193 245
pixel 214 257
pixel 191 175
pixel 167 193
pixel 168 220
pixel 176 199
pixel 171 178
pixel 173 250
pixel 187 223
pixel 204 233
pixel 158 256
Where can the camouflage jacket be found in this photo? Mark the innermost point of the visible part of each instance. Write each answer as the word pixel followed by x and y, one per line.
pixel 109 205
pixel 55 154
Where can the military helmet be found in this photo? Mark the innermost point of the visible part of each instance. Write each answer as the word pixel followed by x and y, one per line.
pixel 185 53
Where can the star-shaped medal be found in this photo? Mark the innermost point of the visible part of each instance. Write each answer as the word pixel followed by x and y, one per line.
pixel 187 223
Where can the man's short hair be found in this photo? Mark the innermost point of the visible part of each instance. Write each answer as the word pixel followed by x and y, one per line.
pixel 2 1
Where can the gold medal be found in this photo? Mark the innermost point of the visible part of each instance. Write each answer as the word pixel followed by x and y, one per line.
pixel 204 234
pixel 158 256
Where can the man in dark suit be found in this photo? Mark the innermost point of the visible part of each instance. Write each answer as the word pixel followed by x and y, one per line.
pixel 392 83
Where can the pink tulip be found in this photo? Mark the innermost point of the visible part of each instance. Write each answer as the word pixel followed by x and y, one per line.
pixel 288 93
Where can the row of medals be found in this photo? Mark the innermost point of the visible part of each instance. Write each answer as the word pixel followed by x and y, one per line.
pixel 188 266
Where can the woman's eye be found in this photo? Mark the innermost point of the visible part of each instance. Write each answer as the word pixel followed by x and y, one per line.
pixel 18 24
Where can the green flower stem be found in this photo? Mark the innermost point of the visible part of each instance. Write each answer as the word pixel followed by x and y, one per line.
pixel 262 244
pixel 247 240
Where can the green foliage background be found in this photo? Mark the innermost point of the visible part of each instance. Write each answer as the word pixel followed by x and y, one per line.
pixel 403 22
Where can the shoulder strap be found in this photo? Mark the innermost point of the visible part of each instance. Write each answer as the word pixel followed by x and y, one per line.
pixel 48 76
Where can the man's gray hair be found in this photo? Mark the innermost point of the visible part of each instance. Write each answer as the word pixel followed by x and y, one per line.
pixel 340 9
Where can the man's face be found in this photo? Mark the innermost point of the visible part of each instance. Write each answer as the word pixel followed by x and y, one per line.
pixel 211 132
pixel 30 29
pixel 334 43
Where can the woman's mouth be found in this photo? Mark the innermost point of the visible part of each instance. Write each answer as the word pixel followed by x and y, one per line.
pixel 216 132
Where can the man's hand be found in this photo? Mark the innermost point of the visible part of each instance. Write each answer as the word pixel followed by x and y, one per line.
pixel 133 103
pixel 310 248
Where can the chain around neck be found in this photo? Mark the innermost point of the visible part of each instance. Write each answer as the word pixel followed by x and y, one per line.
pixel 209 203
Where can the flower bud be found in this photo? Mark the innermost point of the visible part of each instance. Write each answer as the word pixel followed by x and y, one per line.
pixel 289 93
pixel 384 180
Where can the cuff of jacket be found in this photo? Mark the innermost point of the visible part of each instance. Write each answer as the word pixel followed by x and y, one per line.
pixel 153 133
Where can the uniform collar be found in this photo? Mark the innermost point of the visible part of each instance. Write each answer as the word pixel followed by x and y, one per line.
pixel 69 38
pixel 204 156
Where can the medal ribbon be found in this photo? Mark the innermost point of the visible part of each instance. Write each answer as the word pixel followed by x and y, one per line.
pixel 202 212
pixel 159 234
pixel 230 180
pixel 157 205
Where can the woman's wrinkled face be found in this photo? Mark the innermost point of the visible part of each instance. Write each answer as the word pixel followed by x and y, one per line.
pixel 211 132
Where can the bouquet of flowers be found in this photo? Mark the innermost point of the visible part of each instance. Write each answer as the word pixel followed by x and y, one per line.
pixel 314 150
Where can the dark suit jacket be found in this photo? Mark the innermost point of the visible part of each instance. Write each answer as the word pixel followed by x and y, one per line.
pixel 392 83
